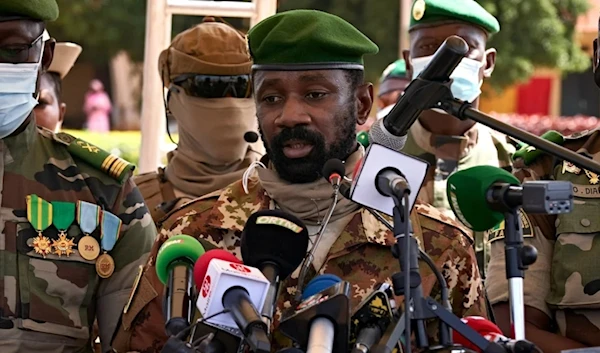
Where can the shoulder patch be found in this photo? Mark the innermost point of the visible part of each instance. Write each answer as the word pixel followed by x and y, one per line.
pixel 116 167
pixel 529 153
pixel 497 233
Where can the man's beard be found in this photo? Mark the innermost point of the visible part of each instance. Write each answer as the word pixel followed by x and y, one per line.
pixel 308 169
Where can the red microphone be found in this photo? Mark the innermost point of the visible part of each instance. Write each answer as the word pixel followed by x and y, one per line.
pixel 492 333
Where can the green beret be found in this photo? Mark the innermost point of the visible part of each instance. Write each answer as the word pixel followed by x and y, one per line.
pixel 428 12
pixel 41 10
pixel 397 69
pixel 393 78
pixel 307 40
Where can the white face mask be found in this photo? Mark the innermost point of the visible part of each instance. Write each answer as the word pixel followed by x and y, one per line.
pixel 466 84
pixel 17 87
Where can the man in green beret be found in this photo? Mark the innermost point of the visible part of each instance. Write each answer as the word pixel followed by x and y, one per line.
pixel 310 94
pixel 447 143
pixel 74 228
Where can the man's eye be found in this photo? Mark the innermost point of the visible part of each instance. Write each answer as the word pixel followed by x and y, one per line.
pixel 316 95
pixel 271 99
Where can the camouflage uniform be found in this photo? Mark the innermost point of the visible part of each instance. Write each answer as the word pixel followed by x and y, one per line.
pixel 49 304
pixel 447 154
pixel 564 282
pixel 361 255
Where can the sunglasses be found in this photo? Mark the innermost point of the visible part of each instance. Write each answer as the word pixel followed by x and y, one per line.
pixel 208 86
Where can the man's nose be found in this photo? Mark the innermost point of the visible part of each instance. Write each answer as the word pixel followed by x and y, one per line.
pixel 293 113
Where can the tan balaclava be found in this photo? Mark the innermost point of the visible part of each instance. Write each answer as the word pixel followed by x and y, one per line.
pixel 211 151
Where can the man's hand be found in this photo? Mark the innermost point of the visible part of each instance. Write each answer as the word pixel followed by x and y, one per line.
pixel 538 329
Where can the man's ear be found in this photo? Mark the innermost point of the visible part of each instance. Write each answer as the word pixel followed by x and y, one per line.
pixel 490 62
pixel 48 53
pixel 364 102
pixel 406 57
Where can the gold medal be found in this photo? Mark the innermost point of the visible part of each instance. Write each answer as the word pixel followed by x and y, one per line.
pixel 105 265
pixel 88 248
pixel 41 245
pixel 63 246
pixel 593 177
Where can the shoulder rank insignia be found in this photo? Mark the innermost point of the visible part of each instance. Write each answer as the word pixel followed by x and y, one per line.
pixel 112 165
pixel 529 153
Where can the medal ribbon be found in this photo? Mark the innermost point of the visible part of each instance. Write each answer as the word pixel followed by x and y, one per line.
pixel 39 212
pixel 63 214
pixel 88 216
pixel 111 227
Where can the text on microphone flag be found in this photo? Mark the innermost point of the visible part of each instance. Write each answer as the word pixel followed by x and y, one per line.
pixel 279 222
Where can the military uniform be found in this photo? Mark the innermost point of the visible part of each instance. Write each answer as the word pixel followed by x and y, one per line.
pixel 211 152
pixel 564 282
pixel 73 230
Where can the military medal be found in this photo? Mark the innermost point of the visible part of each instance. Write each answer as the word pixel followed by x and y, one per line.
pixel 593 177
pixel 110 227
pixel 39 214
pixel 570 168
pixel 88 217
pixel 63 215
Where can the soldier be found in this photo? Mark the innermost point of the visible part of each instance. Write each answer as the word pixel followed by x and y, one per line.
pixel 74 229
pixel 447 143
pixel 562 299
pixel 310 95
pixel 207 72
pixel 50 111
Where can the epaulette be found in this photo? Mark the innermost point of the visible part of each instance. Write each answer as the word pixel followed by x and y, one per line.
pixel 529 153
pixel 363 138
pixel 116 167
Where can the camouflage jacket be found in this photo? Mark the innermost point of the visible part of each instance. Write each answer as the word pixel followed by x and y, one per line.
pixel 49 304
pixel 158 193
pixel 361 255
pixel 564 282
pixel 447 154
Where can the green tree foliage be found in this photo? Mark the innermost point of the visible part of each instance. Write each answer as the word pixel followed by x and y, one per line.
pixel 534 32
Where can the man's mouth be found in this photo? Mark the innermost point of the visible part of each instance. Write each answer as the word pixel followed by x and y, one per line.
pixel 295 148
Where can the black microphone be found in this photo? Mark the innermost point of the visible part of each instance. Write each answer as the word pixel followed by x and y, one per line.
pixel 372 318
pixel 391 182
pixel 275 242
pixel 334 171
pixel 392 129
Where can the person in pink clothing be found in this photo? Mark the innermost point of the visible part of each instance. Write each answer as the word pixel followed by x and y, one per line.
pixel 97 107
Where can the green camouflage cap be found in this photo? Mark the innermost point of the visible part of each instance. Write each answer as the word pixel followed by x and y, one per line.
pixel 307 40
pixel 428 12
pixel 41 10
pixel 393 78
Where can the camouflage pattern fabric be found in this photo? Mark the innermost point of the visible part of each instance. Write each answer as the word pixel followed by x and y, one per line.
pixel 158 193
pixel 447 154
pixel 49 304
pixel 361 255
pixel 568 245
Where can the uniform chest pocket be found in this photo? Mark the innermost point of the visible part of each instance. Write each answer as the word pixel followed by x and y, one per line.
pixel 55 291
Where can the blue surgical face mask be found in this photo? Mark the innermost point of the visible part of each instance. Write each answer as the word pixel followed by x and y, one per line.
pixel 17 89
pixel 466 84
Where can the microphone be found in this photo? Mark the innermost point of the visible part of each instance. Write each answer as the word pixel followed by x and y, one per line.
pixel 392 129
pixel 320 322
pixel 478 195
pixel 319 284
pixel 334 171
pixel 370 320
pixel 391 182
pixel 492 333
pixel 275 242
pixel 251 137
pixel 174 262
pixel 225 283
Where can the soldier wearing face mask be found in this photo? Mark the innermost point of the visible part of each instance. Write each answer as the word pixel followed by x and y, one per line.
pixel 207 72
pixel 447 143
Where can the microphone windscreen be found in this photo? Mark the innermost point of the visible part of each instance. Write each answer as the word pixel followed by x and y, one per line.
pixel 277 237
pixel 467 190
pixel 481 325
pixel 201 265
pixel 319 284
pixel 333 166
pixel 250 137
pixel 380 135
pixel 178 249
